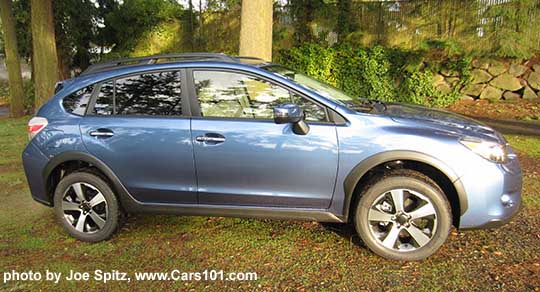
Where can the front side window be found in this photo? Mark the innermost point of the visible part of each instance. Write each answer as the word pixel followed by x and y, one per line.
pixel 235 95
pixel 77 102
pixel 154 94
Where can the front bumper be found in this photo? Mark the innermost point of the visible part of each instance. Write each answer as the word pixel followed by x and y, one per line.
pixel 493 193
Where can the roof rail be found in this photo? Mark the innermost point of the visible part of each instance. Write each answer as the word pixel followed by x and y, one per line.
pixel 126 62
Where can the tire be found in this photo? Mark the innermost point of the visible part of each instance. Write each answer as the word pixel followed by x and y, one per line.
pixel 98 206
pixel 409 233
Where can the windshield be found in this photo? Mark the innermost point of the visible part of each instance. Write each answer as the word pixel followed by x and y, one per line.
pixel 321 88
pixel 328 91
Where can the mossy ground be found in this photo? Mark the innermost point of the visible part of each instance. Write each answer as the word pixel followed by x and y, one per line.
pixel 288 256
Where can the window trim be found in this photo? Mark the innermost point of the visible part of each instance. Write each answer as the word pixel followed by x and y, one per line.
pixel 196 110
pixel 184 96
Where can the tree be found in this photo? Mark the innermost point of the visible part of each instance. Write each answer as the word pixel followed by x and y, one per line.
pixel 74 32
pixel 256 29
pixel 345 21
pixel 13 63
pixel 304 14
pixel 45 60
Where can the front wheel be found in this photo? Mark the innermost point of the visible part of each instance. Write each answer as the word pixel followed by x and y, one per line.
pixel 87 207
pixel 403 216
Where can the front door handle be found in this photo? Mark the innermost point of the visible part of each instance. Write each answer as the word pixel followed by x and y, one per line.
pixel 211 138
pixel 104 133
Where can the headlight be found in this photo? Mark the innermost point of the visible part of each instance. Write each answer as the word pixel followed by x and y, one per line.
pixel 489 150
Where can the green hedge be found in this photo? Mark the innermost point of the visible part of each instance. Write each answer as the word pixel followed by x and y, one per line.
pixel 380 73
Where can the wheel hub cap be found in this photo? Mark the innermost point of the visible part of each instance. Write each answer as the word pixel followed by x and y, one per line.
pixel 402 219
pixel 85 207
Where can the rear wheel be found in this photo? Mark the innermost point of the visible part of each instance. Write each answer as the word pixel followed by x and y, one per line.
pixel 403 216
pixel 87 207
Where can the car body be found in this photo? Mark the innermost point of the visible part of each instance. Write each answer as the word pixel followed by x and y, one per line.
pixel 204 138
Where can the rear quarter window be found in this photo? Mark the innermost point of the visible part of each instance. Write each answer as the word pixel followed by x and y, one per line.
pixel 77 102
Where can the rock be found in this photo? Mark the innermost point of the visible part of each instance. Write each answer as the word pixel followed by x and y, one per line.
pixel 536 68
pixel 528 93
pixel 453 81
pixel 474 89
pixel 443 88
pixel 496 68
pixel 437 79
pixel 448 73
pixel 509 95
pixel 480 64
pixel 534 80
pixel 491 93
pixel 507 82
pixel 517 70
pixel 466 97
pixel 480 76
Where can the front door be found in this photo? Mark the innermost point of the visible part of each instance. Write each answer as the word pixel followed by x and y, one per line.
pixel 136 127
pixel 243 158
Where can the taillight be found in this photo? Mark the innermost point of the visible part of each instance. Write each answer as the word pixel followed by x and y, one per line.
pixel 35 125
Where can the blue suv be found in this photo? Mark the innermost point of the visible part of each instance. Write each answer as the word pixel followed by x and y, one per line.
pixel 214 135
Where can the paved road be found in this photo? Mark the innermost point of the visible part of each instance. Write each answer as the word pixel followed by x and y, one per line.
pixel 512 127
pixel 4 111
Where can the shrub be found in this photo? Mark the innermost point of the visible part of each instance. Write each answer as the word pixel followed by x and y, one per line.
pixel 379 73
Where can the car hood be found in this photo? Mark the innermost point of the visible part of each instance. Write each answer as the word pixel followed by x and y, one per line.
pixel 440 119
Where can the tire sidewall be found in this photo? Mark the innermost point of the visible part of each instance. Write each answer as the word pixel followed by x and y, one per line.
pixel 111 224
pixel 429 190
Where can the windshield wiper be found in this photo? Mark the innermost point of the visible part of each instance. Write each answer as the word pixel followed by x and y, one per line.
pixel 366 105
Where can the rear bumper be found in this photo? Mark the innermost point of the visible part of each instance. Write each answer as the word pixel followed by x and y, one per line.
pixel 494 195
pixel 34 162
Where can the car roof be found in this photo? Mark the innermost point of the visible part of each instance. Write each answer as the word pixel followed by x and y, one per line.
pixel 170 58
pixel 112 69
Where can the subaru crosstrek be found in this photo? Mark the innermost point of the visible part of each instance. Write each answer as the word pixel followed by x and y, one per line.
pixel 214 135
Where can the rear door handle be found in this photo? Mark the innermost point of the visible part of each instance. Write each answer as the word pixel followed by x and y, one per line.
pixel 105 133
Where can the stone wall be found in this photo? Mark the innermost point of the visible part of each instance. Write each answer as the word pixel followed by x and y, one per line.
pixel 495 80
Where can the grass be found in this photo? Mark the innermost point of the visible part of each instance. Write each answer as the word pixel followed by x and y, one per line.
pixel 286 255
pixel 524 144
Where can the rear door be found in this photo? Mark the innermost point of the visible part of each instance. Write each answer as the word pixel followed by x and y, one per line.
pixel 139 126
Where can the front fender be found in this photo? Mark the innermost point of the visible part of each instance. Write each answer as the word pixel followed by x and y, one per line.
pixel 373 161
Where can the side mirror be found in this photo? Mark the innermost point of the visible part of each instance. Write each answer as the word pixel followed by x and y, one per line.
pixel 290 113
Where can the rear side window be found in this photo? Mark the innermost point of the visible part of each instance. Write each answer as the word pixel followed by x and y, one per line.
pixel 77 102
pixel 154 94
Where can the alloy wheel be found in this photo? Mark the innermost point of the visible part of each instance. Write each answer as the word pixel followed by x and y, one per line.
pixel 402 220
pixel 84 207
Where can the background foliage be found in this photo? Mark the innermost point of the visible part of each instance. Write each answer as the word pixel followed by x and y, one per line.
pixel 379 73
pixel 388 50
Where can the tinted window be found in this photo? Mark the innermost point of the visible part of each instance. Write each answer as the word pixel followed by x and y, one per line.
pixel 104 101
pixel 145 94
pixel 234 95
pixel 77 102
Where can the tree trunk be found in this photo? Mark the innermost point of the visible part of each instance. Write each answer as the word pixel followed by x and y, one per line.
pixel 256 29
pixel 44 49
pixel 13 62
pixel 191 34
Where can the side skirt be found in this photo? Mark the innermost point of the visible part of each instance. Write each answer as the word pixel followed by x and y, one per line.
pixel 235 211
